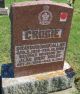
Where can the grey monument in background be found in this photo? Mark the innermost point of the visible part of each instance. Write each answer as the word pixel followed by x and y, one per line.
pixel 3 9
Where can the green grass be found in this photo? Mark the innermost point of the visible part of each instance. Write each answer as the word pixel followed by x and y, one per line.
pixel 73 51
pixel 4 39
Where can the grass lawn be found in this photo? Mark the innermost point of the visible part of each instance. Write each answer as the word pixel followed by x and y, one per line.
pixel 73 51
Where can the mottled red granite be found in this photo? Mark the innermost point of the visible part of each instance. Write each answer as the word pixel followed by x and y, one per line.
pixel 31 28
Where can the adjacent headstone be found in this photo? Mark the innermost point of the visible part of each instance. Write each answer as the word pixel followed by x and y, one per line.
pixel 2 4
pixel 0 84
pixel 40 32
pixel 3 10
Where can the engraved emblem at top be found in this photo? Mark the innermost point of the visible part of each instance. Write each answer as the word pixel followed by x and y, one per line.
pixel 45 17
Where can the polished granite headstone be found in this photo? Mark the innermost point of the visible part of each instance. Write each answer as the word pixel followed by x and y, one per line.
pixel 40 31
pixel 2 3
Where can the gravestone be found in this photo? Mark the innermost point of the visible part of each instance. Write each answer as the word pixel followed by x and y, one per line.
pixel 2 4
pixel 40 32
pixel 3 9
pixel 0 84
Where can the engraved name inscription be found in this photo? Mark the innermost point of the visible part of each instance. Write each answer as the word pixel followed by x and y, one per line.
pixel 41 34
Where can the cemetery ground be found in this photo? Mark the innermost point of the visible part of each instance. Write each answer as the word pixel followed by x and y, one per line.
pixel 73 49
